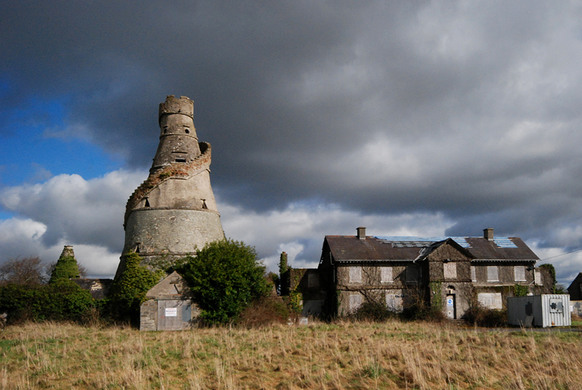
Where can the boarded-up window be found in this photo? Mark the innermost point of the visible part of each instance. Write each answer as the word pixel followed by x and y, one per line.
pixel 490 300
pixel 394 301
pixel 538 278
pixel 386 275
pixel 473 274
pixel 492 273
pixel 355 274
pixel 412 274
pixel 450 270
pixel 355 301
pixel 519 272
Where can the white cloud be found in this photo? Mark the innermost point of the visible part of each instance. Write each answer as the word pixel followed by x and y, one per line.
pixel 20 238
pixel 69 210
pixel 300 228
pixel 76 210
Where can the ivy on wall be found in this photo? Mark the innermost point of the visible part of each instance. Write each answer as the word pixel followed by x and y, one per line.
pixel 129 289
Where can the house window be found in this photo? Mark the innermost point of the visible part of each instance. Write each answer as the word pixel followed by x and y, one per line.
pixel 394 301
pixel 473 274
pixel 355 301
pixel 355 275
pixel 386 275
pixel 519 273
pixel 412 274
pixel 490 300
pixel 492 273
pixel 450 270
pixel 538 278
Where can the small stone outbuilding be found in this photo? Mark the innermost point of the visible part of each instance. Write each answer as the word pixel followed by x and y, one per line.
pixel 168 306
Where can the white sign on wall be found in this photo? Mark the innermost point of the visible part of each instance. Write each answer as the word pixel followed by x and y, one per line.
pixel 171 312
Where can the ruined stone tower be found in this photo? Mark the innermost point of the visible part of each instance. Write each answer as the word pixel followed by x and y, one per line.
pixel 174 211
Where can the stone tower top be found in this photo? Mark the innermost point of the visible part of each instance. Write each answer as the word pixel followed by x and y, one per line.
pixel 67 251
pixel 173 105
pixel 178 138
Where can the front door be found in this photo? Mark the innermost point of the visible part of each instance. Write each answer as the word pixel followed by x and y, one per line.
pixel 451 312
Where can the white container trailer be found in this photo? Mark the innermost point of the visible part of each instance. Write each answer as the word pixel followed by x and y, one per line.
pixel 539 310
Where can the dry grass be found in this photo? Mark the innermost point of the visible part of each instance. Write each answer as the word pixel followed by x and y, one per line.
pixel 392 355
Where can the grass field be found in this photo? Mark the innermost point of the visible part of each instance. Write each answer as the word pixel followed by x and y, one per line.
pixel 392 355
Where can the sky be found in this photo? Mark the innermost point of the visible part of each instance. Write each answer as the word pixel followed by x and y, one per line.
pixel 427 118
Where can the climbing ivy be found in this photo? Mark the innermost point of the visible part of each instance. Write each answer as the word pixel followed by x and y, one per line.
pixel 129 289
pixel 437 296
pixel 65 269
pixel 520 290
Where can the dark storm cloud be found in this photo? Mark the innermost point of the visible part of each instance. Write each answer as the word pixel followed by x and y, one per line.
pixel 468 109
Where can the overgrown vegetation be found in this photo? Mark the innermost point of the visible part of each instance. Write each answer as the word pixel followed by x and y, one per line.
pixel 66 268
pixel 263 312
pixel 556 288
pixel 341 355
pixel 480 316
pixel 129 289
pixel 373 311
pixel 520 290
pixel 25 297
pixel 225 278
pixel 59 301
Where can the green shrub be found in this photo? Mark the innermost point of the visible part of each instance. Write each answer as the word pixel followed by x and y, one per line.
pixel 480 316
pixel 263 312
pixel 372 311
pixel 60 301
pixel 225 278
pixel 422 311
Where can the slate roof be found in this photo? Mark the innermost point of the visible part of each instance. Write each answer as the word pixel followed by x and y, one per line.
pixel 394 249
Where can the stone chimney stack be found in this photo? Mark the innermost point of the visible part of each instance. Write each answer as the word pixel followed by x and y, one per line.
pixel 67 252
pixel 361 233
pixel 488 234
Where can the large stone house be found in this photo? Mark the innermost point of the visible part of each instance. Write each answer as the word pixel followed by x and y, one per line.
pixel 452 273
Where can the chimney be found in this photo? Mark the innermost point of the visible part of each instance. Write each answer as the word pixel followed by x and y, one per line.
pixel 488 234
pixel 361 233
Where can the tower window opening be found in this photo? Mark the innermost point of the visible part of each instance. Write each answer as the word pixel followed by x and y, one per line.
pixel 180 160
pixel 204 206
pixel 187 131
pixel 165 130
pixel 147 203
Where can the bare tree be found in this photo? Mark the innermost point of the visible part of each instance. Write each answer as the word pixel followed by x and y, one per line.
pixel 28 271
